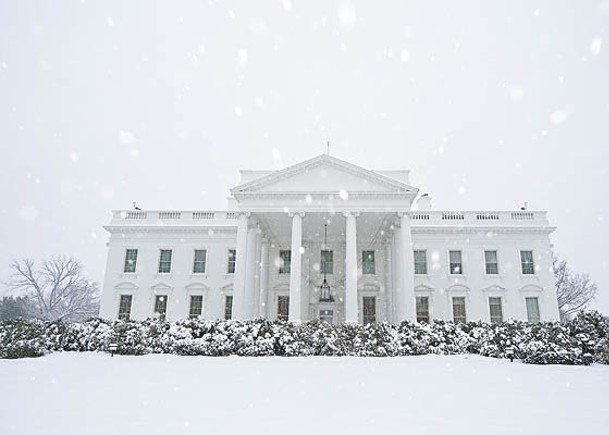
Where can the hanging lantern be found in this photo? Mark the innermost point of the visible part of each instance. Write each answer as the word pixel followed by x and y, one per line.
pixel 325 294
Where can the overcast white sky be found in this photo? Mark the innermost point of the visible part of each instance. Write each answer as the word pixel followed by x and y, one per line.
pixel 489 103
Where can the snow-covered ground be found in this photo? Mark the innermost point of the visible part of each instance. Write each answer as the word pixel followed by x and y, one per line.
pixel 89 393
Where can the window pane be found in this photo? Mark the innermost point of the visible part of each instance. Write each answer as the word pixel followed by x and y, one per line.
pixel 228 308
pixel 420 262
pixel 490 258
pixel 200 262
pixel 165 261
pixel 196 306
pixel 285 261
pixel 232 260
pixel 422 309
pixel 456 267
pixel 368 263
pixel 533 310
pixel 130 260
pixel 160 307
pixel 526 261
pixel 369 303
pixel 283 307
pixel 496 309
pixel 327 262
pixel 459 314
pixel 124 308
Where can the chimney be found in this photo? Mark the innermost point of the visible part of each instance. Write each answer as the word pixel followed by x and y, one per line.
pixel 424 202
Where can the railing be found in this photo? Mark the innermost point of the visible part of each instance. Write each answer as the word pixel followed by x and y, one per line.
pixel 448 218
pixel 171 217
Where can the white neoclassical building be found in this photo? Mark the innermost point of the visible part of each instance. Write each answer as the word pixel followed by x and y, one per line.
pixel 330 240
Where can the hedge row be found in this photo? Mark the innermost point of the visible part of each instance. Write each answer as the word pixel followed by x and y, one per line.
pixel 538 343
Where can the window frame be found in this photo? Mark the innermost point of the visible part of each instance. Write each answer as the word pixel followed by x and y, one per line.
pixel 450 262
pixel 126 259
pixel 464 316
pixel 487 264
pixel 229 261
pixel 162 316
pixel 522 262
pixel 195 261
pixel 538 308
pixel 228 307
pixel 490 308
pixel 192 306
pixel 121 314
pixel 283 301
pixel 373 315
pixel 161 261
pixel 414 255
pixel 285 268
pixel 417 299
pixel 365 253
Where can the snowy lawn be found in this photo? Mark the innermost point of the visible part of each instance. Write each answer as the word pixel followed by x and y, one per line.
pixel 89 393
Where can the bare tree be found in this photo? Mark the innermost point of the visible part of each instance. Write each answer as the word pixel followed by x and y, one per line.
pixel 57 288
pixel 575 291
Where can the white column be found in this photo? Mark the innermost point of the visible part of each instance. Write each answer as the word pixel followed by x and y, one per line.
pixel 405 297
pixel 351 303
pixel 389 283
pixel 264 278
pixel 295 273
pixel 250 272
pixel 256 305
pixel 239 279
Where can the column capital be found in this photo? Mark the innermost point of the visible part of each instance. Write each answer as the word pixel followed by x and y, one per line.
pixel 247 214
pixel 351 213
pixel 294 213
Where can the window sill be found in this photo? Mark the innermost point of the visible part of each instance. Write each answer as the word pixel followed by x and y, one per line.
pixel 198 275
pixel 163 275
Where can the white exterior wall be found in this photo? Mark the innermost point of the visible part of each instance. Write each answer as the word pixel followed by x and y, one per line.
pixel 476 285
pixel 178 285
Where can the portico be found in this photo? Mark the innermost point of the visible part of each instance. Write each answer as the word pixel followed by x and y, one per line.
pixel 288 210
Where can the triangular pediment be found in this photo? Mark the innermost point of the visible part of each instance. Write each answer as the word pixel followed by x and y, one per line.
pixel 323 173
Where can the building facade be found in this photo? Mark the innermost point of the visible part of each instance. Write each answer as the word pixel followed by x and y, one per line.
pixel 383 254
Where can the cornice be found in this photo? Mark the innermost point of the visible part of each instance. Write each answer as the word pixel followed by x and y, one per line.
pixel 119 229
pixel 477 229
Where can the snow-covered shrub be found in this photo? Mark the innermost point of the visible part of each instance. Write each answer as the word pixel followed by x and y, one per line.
pixel 538 343
pixel 22 339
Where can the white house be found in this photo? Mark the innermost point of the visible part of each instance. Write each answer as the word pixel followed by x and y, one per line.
pixel 384 253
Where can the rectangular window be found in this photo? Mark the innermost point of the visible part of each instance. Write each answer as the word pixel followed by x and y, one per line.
pixel 526 262
pixel 124 307
pixel 283 307
pixel 420 262
pixel 228 308
pixel 130 260
pixel 196 306
pixel 165 261
pixel 496 309
pixel 369 303
pixel 490 259
pixel 422 309
pixel 160 307
pixel 456 266
pixel 459 314
pixel 327 261
pixel 232 260
pixel 285 261
pixel 368 263
pixel 200 261
pixel 533 310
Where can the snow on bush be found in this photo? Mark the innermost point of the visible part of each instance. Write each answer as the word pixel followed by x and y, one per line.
pixel 535 343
